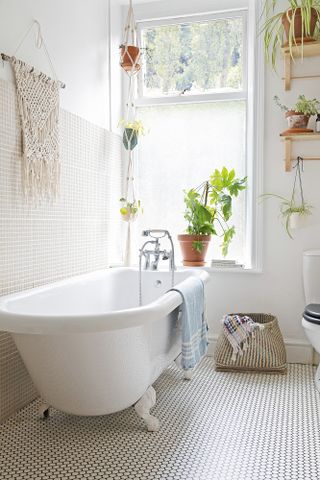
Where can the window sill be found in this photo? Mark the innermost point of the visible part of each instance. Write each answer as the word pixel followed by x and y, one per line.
pixel 245 271
pixel 211 270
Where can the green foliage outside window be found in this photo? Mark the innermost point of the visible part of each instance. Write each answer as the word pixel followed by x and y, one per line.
pixel 195 57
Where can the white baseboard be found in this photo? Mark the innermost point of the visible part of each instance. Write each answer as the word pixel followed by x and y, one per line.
pixel 298 351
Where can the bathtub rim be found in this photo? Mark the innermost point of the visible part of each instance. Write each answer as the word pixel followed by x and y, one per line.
pixel 40 324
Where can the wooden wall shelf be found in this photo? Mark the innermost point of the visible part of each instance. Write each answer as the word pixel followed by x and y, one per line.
pixel 288 139
pixel 311 49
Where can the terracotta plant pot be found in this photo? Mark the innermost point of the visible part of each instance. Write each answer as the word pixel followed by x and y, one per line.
pixel 191 257
pixel 298 25
pixel 297 120
pixel 130 56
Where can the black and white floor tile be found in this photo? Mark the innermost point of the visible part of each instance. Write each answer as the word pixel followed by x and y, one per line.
pixel 218 426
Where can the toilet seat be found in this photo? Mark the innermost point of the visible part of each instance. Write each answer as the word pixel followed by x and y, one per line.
pixel 312 313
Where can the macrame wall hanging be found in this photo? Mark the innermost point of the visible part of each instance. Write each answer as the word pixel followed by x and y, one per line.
pixel 38 104
pixel 130 61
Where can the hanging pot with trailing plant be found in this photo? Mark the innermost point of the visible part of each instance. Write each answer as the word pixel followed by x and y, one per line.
pixel 208 210
pixel 131 132
pixel 294 212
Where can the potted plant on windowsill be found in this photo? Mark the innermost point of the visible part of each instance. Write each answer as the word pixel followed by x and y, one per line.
pixel 297 25
pixel 208 210
pixel 132 130
pixel 298 117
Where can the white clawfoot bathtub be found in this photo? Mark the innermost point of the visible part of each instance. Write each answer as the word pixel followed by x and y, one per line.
pixel 88 346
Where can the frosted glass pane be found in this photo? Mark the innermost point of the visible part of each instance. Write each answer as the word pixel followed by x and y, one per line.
pixel 194 58
pixel 184 144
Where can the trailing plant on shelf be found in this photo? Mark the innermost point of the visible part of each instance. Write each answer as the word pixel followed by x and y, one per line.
pixel 297 25
pixel 299 115
pixel 208 211
pixel 292 211
pixel 132 130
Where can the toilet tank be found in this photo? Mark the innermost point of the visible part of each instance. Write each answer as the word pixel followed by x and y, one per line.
pixel 311 276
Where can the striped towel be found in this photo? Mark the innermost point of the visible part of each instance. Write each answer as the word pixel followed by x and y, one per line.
pixel 237 330
pixel 194 325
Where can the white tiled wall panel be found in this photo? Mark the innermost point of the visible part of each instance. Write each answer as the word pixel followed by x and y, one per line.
pixel 42 243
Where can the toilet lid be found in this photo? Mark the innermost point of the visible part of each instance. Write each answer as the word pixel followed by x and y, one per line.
pixel 312 313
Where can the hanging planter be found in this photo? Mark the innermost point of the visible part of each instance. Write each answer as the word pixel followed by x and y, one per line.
pixel 130 52
pixel 130 210
pixel 132 130
pixel 129 58
pixel 294 212
pixel 130 138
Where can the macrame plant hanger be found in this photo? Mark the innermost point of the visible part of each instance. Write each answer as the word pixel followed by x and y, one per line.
pixel 130 56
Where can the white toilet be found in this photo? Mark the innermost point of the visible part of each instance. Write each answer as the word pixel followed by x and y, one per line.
pixel 311 315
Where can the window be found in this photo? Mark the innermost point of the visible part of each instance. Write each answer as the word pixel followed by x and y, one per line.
pixel 193 101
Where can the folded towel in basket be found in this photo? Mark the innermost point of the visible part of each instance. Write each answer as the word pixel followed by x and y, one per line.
pixel 237 330
pixel 194 325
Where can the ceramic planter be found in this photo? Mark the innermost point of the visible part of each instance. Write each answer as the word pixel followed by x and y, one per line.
pixel 298 220
pixel 130 56
pixel 297 25
pixel 130 138
pixel 191 257
pixel 297 120
pixel 130 215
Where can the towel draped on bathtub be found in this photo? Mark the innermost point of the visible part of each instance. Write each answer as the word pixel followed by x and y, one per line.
pixel 194 325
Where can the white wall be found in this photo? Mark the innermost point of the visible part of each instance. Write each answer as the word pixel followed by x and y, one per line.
pixel 76 34
pixel 278 288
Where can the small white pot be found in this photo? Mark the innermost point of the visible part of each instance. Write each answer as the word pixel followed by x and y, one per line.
pixel 298 220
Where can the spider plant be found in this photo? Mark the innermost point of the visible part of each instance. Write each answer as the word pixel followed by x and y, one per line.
pixel 288 208
pixel 299 23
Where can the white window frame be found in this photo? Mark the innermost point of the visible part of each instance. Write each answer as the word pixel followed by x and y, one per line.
pixel 253 93
pixel 142 101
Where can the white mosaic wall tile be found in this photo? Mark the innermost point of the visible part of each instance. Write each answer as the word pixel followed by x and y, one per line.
pixel 43 243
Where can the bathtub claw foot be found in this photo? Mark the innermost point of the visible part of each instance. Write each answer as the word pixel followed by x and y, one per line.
pixel 143 407
pixel 187 374
pixel 44 410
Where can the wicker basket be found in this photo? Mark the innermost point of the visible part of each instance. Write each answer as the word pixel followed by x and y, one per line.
pixel 266 351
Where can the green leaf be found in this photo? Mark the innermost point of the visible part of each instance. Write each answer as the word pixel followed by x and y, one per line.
pixel 197 245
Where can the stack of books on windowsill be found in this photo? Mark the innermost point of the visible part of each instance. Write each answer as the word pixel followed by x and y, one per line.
pixel 226 264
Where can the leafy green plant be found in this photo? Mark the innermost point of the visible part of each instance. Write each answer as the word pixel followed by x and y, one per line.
pixel 135 125
pixel 210 205
pixel 303 106
pixel 273 29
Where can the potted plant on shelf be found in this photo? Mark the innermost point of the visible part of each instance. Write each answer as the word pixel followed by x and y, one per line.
pixel 297 25
pixel 298 116
pixel 132 130
pixel 208 210
pixel 130 210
